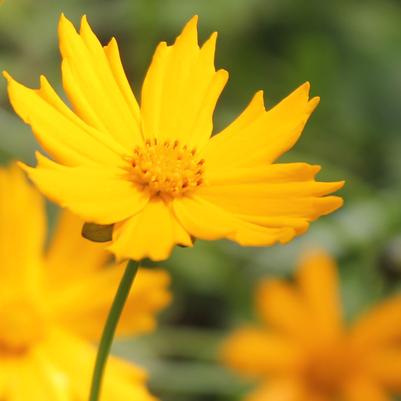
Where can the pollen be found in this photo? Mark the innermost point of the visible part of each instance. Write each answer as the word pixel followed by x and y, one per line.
pixel 166 169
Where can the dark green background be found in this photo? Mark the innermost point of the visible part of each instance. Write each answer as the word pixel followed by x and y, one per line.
pixel 350 51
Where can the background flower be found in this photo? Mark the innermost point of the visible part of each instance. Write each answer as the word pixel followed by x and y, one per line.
pixel 303 351
pixel 53 304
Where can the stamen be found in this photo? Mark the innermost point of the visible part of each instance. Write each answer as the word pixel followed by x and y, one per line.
pixel 166 168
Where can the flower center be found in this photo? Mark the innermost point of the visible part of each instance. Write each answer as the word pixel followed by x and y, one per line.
pixel 326 371
pixel 21 325
pixel 166 169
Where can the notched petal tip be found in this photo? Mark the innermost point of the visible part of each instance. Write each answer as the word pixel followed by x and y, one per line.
pixel 210 44
pixel 7 76
pixel 190 31
pixel 65 26
pixel 63 19
pixel 112 42
pixel 330 204
pixel 193 21
pixel 305 87
pixel 303 90
pixel 339 184
pixel 211 41
pixel 313 103
pixel 85 26
pixel 24 167
pixel 214 35
pixel 259 98
pixel 316 168
pixel 21 165
pixel 223 75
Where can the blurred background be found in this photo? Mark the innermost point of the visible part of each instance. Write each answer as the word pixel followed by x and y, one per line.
pixel 350 52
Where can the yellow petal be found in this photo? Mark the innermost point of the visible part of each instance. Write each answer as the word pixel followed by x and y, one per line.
pixel 270 190
pixel 37 378
pixel 379 326
pixel 318 283
pixel 97 195
pixel 384 365
pixel 22 234
pixel 70 252
pixel 61 133
pixel 364 389
pixel 8 373
pixel 259 353
pixel 181 89
pixel 281 306
pixel 277 195
pixel 272 197
pixel 83 305
pixel 75 358
pixel 152 234
pixel 203 220
pixel 206 221
pixel 259 136
pixel 91 85
pixel 279 209
pixel 113 57
pixel 272 173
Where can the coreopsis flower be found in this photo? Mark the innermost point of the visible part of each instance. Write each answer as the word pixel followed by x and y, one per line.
pixel 53 305
pixel 303 351
pixel 152 169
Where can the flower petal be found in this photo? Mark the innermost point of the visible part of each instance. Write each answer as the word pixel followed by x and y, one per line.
pixel 260 136
pixel 114 59
pixel 364 389
pixel 259 353
pixel 384 366
pixel 76 359
pixel 150 234
pixel 207 221
pixel 281 306
pixel 272 173
pixel 82 305
pixel 319 286
pixel 61 133
pixel 203 220
pixel 91 85
pixel 379 326
pixel 181 89
pixel 22 234
pixel 38 379
pixel 274 196
pixel 98 195
pixel 70 252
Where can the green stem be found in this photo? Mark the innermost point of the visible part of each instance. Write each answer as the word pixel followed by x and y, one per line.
pixel 110 328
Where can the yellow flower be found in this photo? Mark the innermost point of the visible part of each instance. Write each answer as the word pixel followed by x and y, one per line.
pixel 153 169
pixel 304 351
pixel 54 304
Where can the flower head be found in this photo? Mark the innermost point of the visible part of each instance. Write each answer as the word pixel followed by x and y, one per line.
pixel 153 170
pixel 304 351
pixel 53 304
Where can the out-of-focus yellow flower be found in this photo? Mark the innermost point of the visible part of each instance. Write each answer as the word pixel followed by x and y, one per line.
pixel 153 169
pixel 304 351
pixel 53 305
